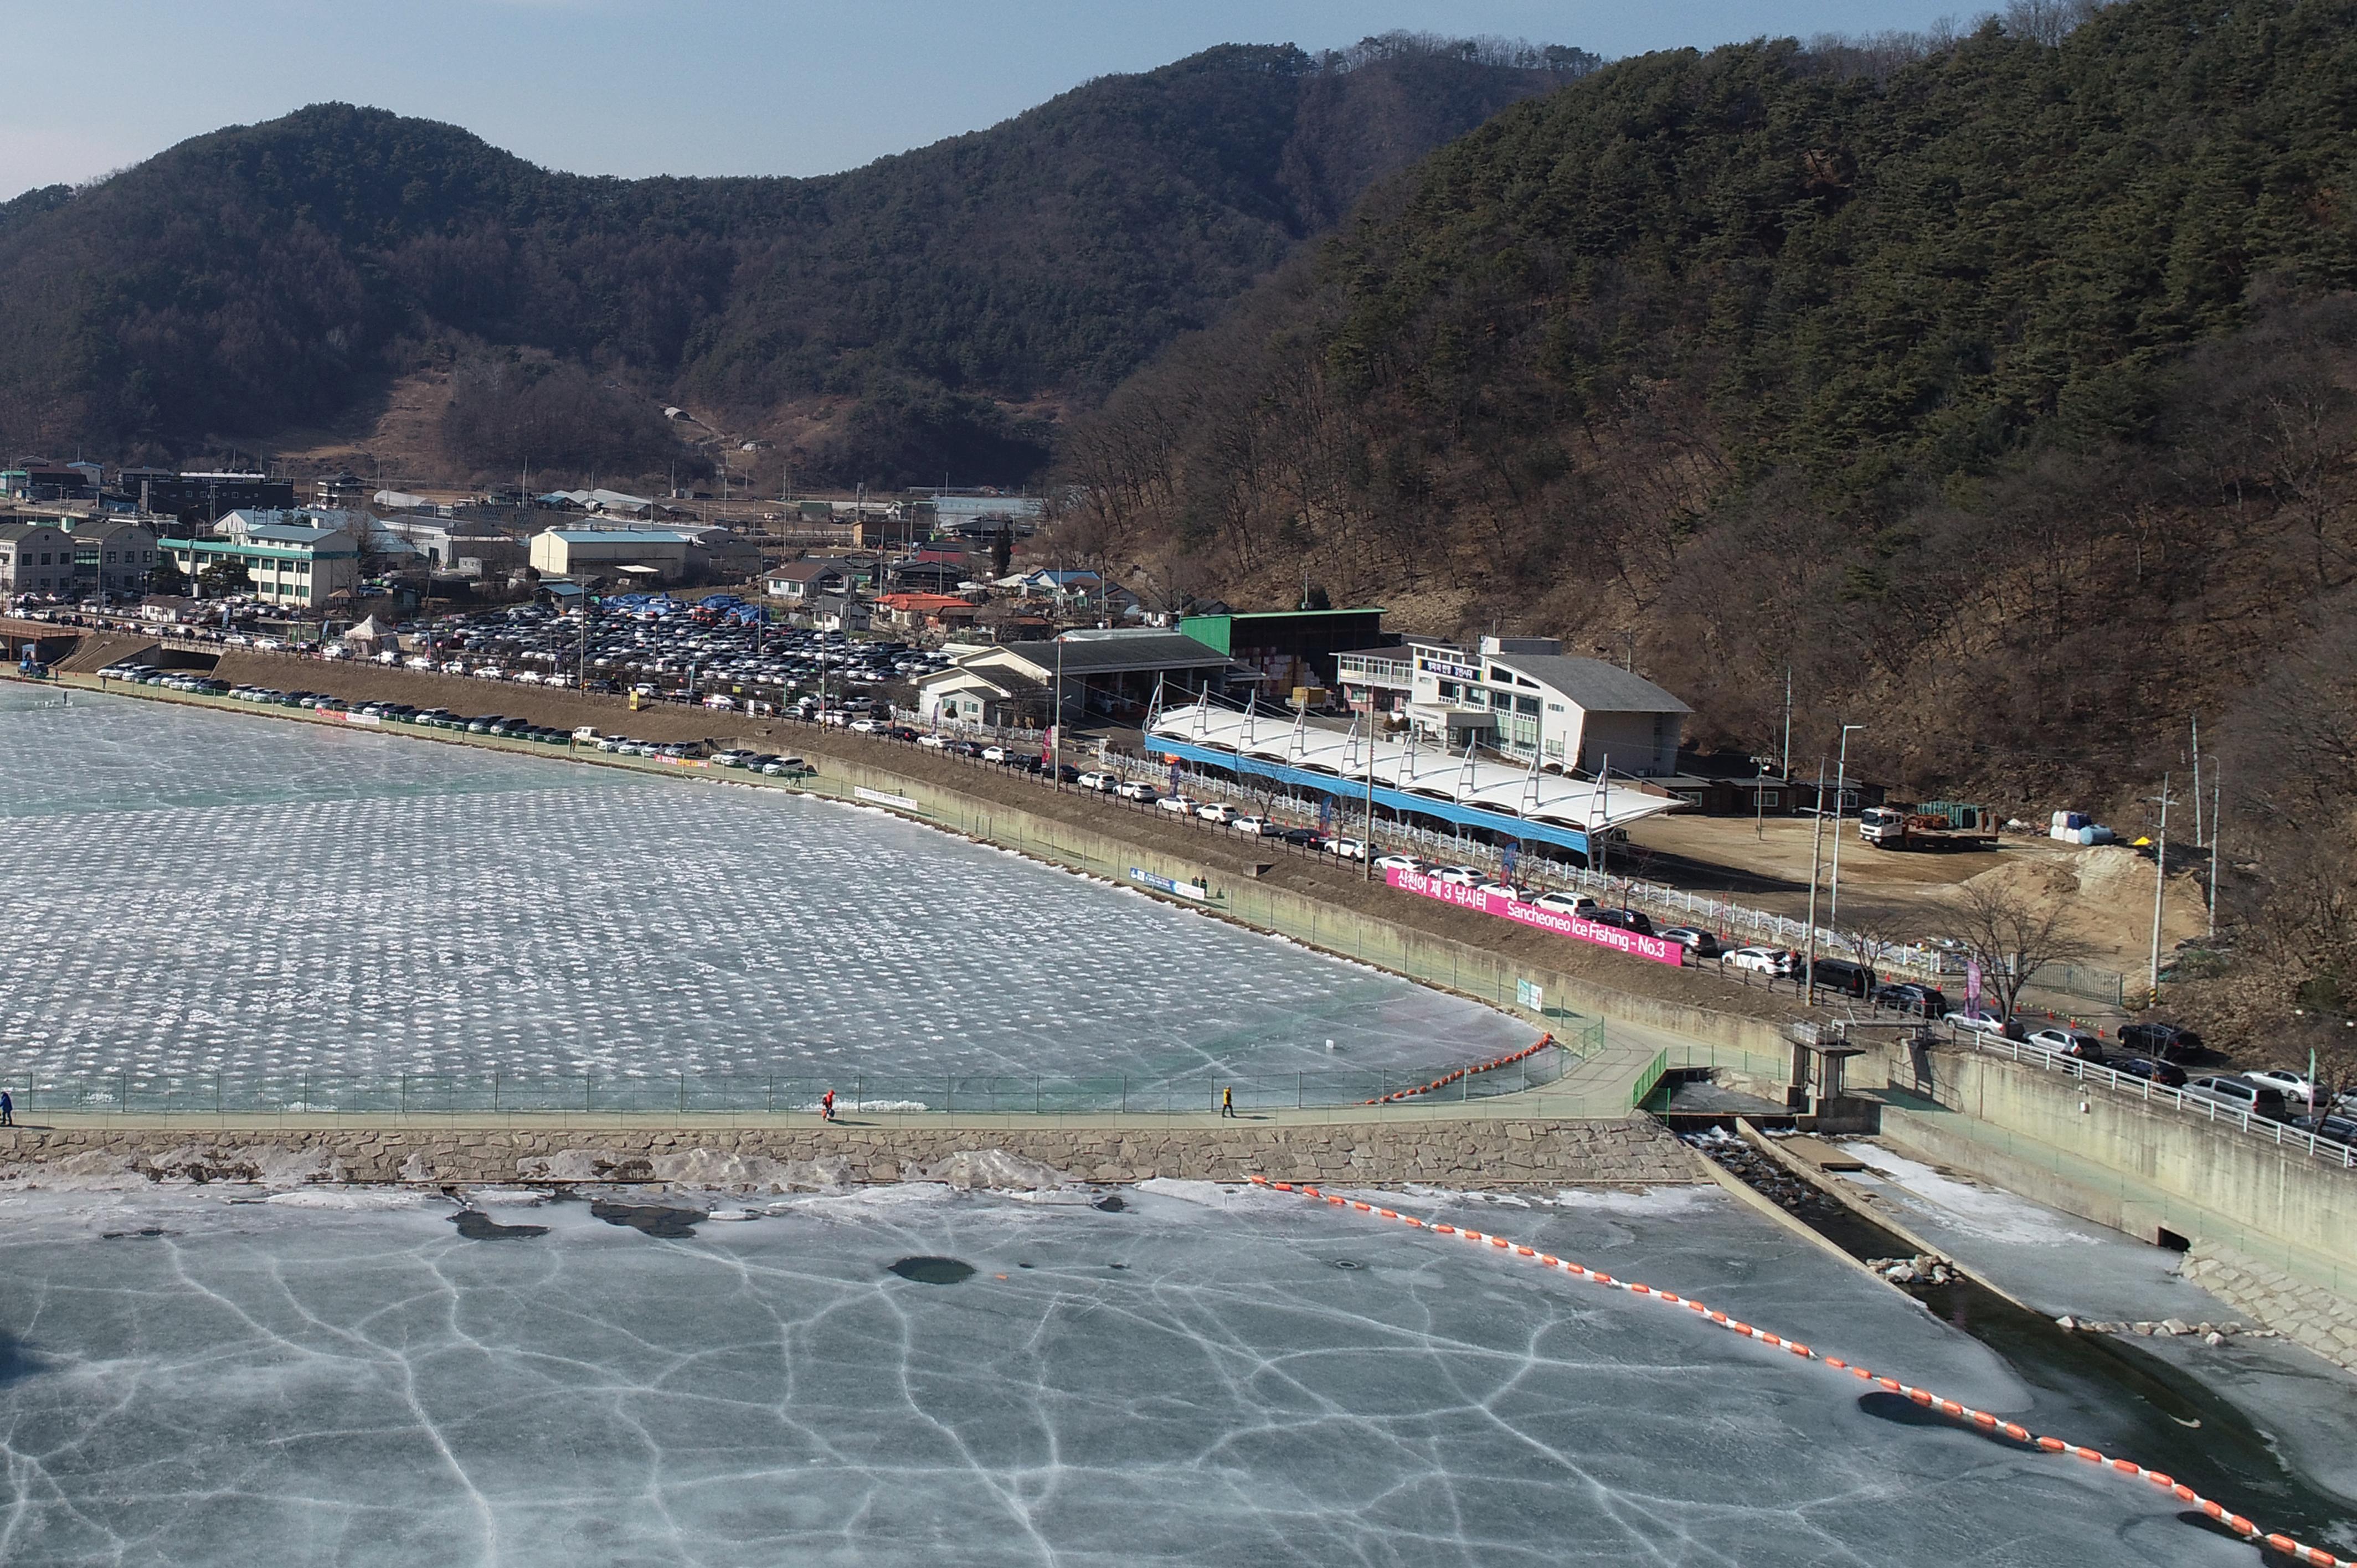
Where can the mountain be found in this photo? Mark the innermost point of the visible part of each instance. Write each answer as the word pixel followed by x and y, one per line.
pixel 1997 392
pixel 1935 380
pixel 277 275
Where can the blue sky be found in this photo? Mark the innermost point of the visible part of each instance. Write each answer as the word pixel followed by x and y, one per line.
pixel 637 87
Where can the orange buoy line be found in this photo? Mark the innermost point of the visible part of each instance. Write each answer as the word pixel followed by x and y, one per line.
pixel 2314 1556
pixel 1445 1079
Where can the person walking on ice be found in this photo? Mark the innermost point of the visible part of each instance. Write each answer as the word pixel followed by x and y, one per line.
pixel 7 1108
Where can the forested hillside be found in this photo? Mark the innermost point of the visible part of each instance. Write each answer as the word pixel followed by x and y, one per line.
pixel 276 275
pixel 2000 389
pixel 1930 384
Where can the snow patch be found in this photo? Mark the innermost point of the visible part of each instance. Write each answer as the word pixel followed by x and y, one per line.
pixel 995 1169
pixel 750 1173
pixel 1991 1215
pixel 349 1199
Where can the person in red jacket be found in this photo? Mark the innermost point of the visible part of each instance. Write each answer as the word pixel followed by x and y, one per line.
pixel 826 1106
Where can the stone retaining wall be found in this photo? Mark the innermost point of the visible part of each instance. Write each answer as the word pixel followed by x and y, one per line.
pixel 2308 1314
pixel 1454 1153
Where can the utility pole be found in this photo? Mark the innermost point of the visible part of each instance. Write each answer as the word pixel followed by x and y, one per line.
pixel 2159 879
pixel 1367 842
pixel 2216 835
pixel 1788 726
pixel 1816 847
pixel 2198 838
pixel 1840 783
pixel 1056 723
pixel 1601 833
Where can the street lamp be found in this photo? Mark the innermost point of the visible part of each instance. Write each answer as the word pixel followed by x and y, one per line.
pixel 1841 777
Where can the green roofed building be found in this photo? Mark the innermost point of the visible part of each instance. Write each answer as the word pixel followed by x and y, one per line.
pixel 1292 647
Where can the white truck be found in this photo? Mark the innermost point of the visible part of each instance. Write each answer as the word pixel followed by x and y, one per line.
pixel 1889 827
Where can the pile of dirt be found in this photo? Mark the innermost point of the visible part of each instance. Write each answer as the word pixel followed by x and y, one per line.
pixel 2106 895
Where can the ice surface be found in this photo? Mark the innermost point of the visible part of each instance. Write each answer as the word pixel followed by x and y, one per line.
pixel 1250 1384
pixel 250 897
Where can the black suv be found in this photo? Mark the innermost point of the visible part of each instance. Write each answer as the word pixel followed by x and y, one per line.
pixel 1840 974
pixel 1626 920
pixel 2158 1041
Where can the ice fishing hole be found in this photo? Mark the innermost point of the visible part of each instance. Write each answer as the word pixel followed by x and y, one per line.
pixel 934 1270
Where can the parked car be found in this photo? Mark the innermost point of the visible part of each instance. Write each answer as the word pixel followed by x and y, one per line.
pixel 2242 1094
pixel 1762 961
pixel 1461 875
pixel 1307 838
pixel 1912 996
pixel 1137 790
pixel 1842 976
pixel 933 741
pixel 1398 862
pixel 1346 849
pixel 2290 1085
pixel 2076 1043
pixel 867 727
pixel 1635 920
pixel 1977 1023
pixel 2159 1040
pixel 1699 942
pixel 732 759
pixel 1576 903
pixel 1255 826
pixel 1179 804
pixel 1103 783
pixel 1218 811
pixel 2167 1073
pixel 996 754
pixel 2339 1129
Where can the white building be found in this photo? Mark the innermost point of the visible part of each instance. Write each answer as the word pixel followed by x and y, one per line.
pixel 563 551
pixel 290 563
pixel 35 558
pixel 1520 696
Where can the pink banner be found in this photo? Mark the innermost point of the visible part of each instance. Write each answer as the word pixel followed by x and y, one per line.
pixel 1658 948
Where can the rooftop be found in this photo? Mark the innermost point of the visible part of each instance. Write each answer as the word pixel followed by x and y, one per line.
pixel 1594 684
pixel 1122 650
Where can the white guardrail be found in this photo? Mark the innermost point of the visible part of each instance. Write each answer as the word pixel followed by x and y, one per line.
pixel 2145 1088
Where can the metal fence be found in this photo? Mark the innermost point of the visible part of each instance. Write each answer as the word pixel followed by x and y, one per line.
pixel 689 1095
pixel 2145 1088
pixel 1648 1079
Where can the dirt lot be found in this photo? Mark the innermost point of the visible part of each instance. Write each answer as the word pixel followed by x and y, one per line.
pixel 2107 890
pixel 1151 829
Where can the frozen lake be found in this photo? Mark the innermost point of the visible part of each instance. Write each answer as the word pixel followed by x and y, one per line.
pixel 1204 1377
pixel 260 899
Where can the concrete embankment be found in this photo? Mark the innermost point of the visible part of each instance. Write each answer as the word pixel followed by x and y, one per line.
pixel 2267 1225
pixel 1500 1152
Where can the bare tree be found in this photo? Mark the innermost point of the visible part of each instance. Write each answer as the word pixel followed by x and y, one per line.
pixel 2014 935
